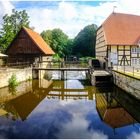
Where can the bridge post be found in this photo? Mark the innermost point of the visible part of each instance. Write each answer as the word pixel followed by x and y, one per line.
pixel 35 74
pixel 62 74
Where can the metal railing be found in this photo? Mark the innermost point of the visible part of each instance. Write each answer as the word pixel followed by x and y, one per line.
pixel 130 70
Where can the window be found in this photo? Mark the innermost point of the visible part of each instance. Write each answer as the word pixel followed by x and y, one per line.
pixel 138 50
pixel 132 61
pixel 134 50
pixel 135 61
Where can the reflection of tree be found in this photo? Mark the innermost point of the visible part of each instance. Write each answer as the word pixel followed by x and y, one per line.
pixel 12 90
pixel 2 110
pixel 11 111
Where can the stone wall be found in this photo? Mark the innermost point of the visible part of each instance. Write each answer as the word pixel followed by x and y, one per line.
pixel 7 94
pixel 21 74
pixel 127 83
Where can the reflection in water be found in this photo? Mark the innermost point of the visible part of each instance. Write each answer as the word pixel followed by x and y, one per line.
pixel 111 112
pixel 69 109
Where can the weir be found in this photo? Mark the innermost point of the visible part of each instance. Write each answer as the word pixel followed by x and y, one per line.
pixel 93 70
pixel 64 66
pixel 62 70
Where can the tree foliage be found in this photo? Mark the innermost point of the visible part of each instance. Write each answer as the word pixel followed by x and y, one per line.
pixel 84 42
pixel 82 45
pixel 69 47
pixel 11 26
pixel 57 40
pixel 47 36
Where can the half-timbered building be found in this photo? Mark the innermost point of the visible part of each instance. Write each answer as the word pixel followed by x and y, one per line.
pixel 118 40
pixel 28 46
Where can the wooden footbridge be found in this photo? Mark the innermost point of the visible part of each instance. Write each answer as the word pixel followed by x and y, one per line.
pixel 62 67
pixel 95 75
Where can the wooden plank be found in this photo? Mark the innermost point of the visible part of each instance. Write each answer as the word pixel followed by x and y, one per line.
pixel 101 73
pixel 69 95
pixel 70 90
pixel 63 69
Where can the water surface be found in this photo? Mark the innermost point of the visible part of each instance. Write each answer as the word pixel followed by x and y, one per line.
pixel 68 109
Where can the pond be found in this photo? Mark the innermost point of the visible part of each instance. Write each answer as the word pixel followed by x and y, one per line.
pixel 71 108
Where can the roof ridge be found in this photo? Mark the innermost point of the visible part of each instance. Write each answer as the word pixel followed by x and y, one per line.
pixel 114 13
pixel 128 14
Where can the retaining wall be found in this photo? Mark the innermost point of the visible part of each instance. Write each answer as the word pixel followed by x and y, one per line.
pixel 128 83
pixel 21 74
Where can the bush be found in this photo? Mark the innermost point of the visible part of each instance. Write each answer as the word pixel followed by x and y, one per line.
pixel 56 57
pixel 13 81
pixel 30 78
pixel 86 58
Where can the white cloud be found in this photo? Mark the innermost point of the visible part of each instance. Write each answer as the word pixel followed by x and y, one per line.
pixel 77 126
pixel 72 17
pixel 78 129
pixel 134 135
pixel 5 8
pixel 68 16
pixel 131 7
pixel 64 17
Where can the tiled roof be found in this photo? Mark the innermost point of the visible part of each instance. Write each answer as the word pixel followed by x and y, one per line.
pixel 117 117
pixel 42 45
pixel 122 29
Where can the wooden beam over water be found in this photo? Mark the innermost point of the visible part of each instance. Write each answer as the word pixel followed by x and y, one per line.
pixel 63 69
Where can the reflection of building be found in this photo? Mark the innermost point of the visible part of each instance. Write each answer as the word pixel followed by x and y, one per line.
pixel 2 112
pixel 23 103
pixel 22 106
pixel 111 112
pixel 118 39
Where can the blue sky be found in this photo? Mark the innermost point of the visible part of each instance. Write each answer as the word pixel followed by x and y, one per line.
pixel 51 4
pixel 71 16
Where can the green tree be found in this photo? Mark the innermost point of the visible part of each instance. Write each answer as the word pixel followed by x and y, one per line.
pixel 57 40
pixel 69 47
pixel 84 42
pixel 11 26
pixel 47 36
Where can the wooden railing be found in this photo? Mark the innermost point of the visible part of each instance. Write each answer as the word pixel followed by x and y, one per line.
pixel 63 64
pixel 48 64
